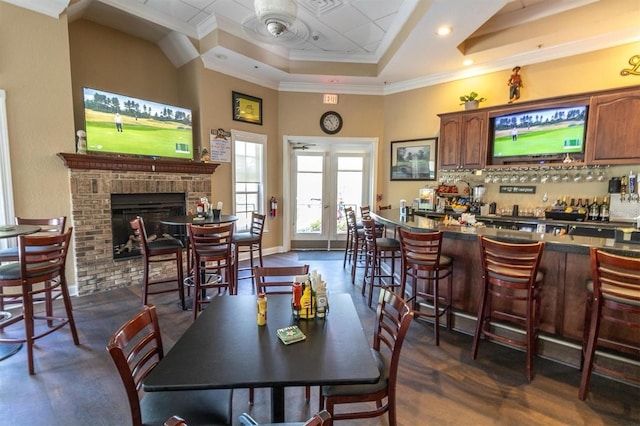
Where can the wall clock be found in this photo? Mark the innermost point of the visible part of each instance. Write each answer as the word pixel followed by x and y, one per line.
pixel 331 122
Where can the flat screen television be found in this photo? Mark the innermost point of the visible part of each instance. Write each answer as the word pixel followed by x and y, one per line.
pixel 118 124
pixel 541 135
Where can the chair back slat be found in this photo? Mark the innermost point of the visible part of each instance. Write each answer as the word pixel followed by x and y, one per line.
pixel 615 277
pixel 140 232
pixel 507 263
pixel 257 224
pixel 211 243
pixel 422 248
pixel 136 348
pixel 55 225
pixel 277 279
pixel 43 257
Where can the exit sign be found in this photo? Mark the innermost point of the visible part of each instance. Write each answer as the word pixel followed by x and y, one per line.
pixel 329 99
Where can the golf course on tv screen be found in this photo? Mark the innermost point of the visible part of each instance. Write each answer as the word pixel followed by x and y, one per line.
pixel 118 124
pixel 555 131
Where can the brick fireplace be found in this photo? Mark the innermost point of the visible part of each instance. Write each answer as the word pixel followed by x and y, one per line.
pixel 92 185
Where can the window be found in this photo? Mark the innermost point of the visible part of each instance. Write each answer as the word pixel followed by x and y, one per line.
pixel 249 178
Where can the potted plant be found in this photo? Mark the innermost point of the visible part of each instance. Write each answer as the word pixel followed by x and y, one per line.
pixel 471 101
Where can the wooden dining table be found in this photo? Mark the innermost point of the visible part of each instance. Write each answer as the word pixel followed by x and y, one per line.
pixel 225 348
pixel 12 231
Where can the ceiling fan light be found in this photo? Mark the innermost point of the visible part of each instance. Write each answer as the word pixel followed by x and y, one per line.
pixel 276 15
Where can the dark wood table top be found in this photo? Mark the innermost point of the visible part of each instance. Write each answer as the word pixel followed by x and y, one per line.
pixel 225 348
pixel 184 220
pixel 9 231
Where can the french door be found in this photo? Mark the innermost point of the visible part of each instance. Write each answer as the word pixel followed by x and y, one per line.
pixel 324 179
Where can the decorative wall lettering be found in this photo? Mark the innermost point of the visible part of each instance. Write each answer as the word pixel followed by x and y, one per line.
pixel 634 61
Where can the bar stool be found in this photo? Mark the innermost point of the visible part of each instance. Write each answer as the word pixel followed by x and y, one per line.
pixel 248 242
pixel 613 298
pixel 395 228
pixel 213 256
pixel 48 226
pixel 356 244
pixel 40 274
pixel 423 261
pixel 378 249
pixel 158 251
pixel 365 213
pixel 511 277
pixel 348 248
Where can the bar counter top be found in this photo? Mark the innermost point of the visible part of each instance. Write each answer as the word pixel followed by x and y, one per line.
pixel 565 263
pixel 556 242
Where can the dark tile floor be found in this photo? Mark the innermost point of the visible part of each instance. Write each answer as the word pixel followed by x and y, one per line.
pixel 437 385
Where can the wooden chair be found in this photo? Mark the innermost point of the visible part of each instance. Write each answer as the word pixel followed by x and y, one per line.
pixel 510 278
pixel 136 348
pixel 321 418
pixel 40 276
pixel 213 255
pixel 249 242
pixel 423 261
pixel 613 300
pixel 280 280
pixel 393 317
pixel 378 249
pixel 156 252
pixel 277 279
pixel 54 225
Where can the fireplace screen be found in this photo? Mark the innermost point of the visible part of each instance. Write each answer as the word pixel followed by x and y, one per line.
pixel 152 208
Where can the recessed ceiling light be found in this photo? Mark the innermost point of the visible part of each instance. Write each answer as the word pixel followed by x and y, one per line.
pixel 444 30
pixel 467 62
pixel 221 56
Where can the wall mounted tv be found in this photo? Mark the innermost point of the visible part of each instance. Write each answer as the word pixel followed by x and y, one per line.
pixel 539 136
pixel 118 124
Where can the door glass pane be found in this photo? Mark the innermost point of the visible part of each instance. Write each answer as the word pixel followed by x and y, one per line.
pixel 349 185
pixel 309 182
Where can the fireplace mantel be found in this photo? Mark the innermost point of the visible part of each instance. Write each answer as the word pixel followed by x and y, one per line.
pixel 133 164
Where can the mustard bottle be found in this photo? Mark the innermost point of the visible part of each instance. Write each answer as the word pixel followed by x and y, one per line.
pixel 262 309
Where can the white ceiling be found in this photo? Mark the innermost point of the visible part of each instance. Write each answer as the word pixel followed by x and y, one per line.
pixel 364 46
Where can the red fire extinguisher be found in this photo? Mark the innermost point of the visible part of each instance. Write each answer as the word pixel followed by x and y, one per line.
pixel 273 210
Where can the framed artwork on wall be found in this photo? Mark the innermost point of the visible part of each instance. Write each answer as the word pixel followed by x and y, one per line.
pixel 247 108
pixel 414 159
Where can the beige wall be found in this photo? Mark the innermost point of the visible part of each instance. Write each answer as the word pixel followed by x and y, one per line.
pixel 35 73
pixel 45 63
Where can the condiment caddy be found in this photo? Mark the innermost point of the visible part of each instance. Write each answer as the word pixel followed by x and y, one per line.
pixel 310 297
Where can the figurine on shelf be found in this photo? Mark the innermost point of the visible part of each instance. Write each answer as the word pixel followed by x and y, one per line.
pixel 515 83
pixel 204 156
pixel 81 146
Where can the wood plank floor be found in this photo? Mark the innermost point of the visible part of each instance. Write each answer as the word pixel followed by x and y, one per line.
pixel 437 385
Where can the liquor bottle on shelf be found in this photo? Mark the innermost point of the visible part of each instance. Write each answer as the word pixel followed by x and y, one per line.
pixel 604 210
pixel 594 210
pixel 563 203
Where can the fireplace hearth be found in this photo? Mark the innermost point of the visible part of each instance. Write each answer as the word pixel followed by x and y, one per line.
pixel 152 208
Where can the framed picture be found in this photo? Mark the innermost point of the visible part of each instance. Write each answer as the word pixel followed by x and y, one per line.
pixel 247 108
pixel 414 159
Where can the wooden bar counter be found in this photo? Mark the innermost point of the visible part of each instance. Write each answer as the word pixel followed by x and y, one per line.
pixel 566 265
